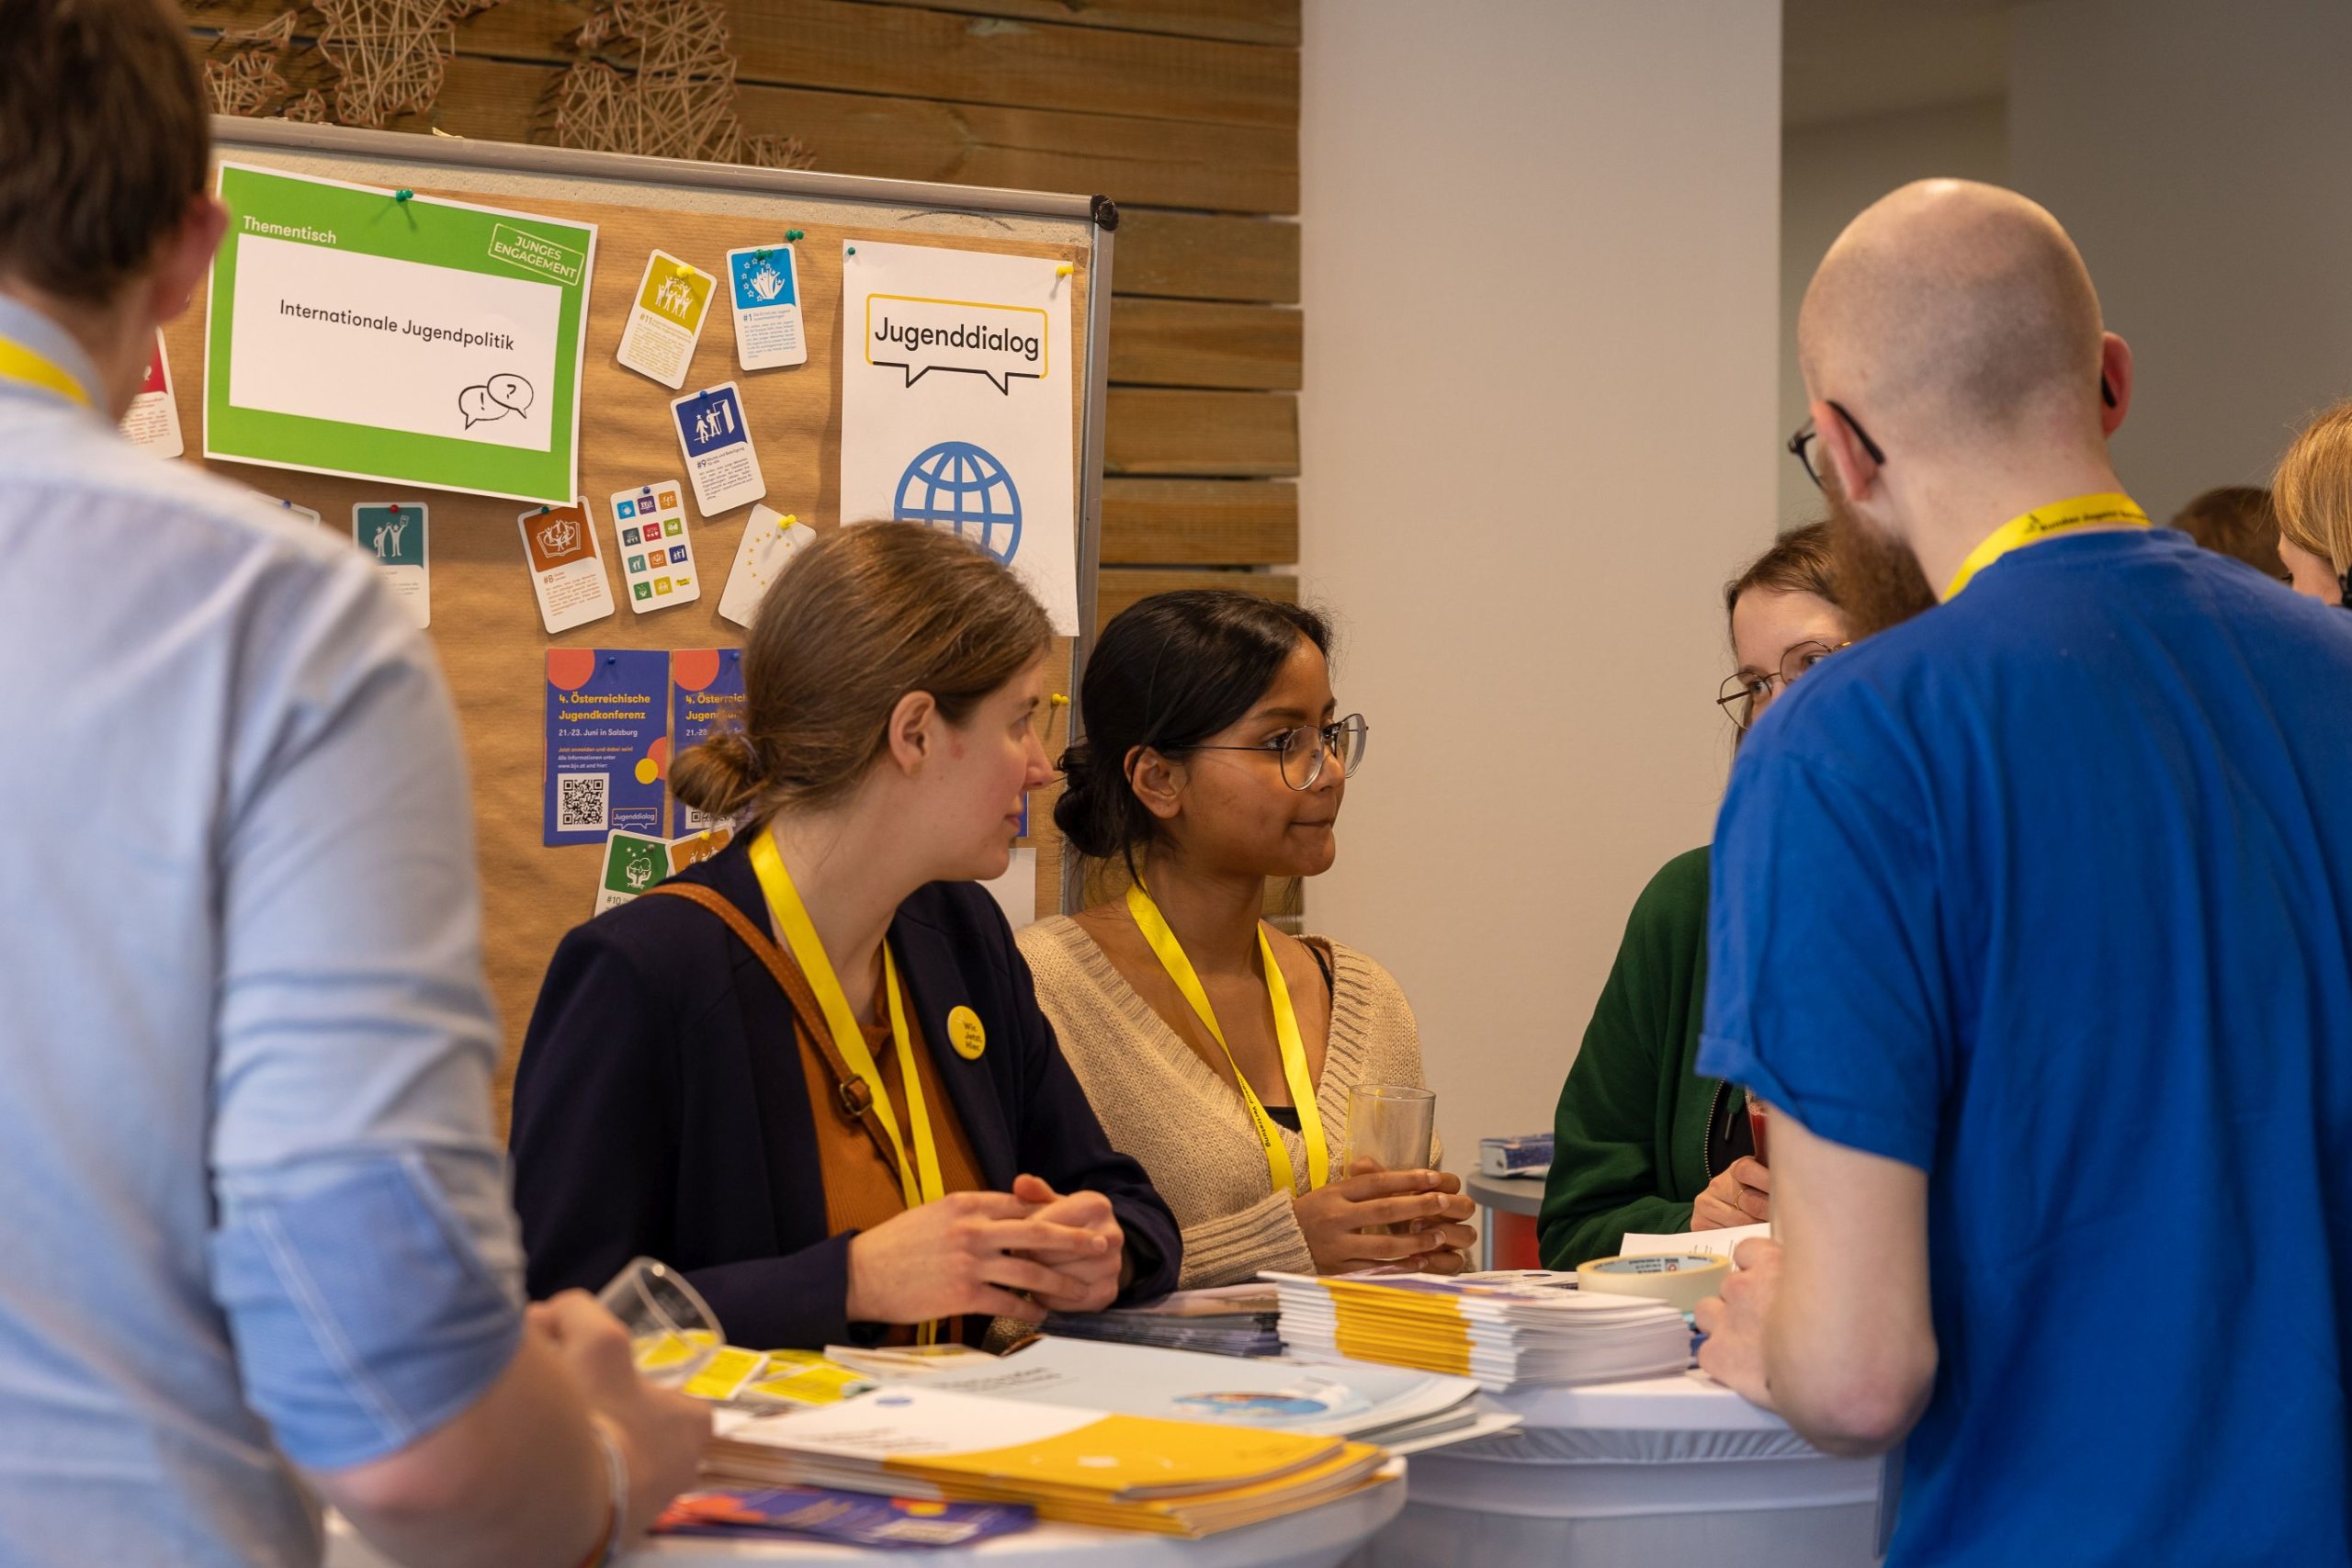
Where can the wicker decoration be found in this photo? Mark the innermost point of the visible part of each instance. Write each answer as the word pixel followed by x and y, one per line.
pixel 241 68
pixel 311 108
pixel 672 96
pixel 392 54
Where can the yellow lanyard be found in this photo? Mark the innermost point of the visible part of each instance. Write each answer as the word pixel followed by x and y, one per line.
pixel 1171 952
pixel 18 363
pixel 919 1180
pixel 2105 510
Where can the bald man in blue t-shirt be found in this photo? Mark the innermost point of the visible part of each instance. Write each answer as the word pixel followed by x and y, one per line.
pixel 2034 918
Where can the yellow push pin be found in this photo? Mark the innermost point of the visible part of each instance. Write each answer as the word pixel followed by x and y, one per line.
pixel 1064 270
pixel 682 269
pixel 1060 701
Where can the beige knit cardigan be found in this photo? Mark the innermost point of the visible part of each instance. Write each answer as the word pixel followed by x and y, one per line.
pixel 1160 1103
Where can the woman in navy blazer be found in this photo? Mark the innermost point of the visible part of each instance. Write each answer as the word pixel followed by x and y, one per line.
pixel 662 1106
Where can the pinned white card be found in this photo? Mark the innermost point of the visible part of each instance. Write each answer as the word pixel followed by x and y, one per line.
pixel 665 319
pixel 717 444
pixel 657 557
pixel 770 541
pixel 567 568
pixel 153 421
pixel 396 533
pixel 764 284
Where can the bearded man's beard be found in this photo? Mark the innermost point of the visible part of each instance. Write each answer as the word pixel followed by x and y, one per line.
pixel 1879 581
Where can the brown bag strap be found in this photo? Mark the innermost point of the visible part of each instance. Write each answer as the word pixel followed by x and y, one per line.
pixel 857 1099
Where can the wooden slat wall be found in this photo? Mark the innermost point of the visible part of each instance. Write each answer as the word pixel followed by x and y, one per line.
pixel 1185 112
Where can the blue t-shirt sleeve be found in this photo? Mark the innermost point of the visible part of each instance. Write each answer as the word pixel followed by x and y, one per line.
pixel 1827 992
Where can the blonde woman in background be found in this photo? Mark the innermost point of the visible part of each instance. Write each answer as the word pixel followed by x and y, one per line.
pixel 2313 494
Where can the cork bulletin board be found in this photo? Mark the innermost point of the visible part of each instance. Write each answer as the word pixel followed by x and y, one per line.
pixel 485 621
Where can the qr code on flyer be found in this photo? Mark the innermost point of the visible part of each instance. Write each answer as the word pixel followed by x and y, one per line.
pixel 580 802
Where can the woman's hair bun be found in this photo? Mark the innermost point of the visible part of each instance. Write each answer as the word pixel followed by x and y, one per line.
pixel 1093 808
pixel 721 774
pixel 733 746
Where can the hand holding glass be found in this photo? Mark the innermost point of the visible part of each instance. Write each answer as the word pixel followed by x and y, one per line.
pixel 1389 1128
pixel 673 1333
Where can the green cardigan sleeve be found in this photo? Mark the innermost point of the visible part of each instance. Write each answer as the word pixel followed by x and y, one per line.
pixel 1614 1134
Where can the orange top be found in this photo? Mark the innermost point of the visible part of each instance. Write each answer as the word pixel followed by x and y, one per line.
pixel 862 1185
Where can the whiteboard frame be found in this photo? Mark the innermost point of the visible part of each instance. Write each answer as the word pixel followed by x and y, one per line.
pixel 1098 215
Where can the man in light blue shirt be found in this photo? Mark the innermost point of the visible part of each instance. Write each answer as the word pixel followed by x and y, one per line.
pixel 257 1242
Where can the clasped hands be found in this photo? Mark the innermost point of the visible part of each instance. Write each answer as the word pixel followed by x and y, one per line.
pixel 971 1252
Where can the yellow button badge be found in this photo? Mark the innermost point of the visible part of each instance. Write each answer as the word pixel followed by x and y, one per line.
pixel 964 1032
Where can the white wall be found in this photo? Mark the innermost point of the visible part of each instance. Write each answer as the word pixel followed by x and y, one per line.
pixel 2198 153
pixel 1538 432
pixel 1829 172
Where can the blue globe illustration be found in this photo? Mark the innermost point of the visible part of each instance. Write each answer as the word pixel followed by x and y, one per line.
pixel 963 489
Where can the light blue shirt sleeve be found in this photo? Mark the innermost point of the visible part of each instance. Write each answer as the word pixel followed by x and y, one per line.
pixel 365 1252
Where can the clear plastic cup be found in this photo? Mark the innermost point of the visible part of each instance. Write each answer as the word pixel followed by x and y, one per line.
pixel 673 1333
pixel 1389 1128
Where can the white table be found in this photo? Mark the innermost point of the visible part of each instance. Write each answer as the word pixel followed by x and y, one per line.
pixel 1674 1468
pixel 1317 1537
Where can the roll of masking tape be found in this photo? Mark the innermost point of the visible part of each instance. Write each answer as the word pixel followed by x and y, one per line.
pixel 1681 1279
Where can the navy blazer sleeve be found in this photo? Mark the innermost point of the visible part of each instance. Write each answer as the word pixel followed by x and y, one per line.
pixel 600 1097
pixel 1061 1139
pixel 595 1127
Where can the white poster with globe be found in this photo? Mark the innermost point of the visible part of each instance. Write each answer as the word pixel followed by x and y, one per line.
pixel 959 405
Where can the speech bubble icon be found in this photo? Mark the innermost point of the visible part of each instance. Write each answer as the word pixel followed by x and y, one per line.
pixel 510 390
pixel 999 343
pixel 475 403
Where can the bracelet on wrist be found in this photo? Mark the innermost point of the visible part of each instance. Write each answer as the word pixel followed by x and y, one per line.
pixel 616 1503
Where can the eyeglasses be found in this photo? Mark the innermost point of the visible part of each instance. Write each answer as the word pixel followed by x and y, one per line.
pixel 1303 749
pixel 1802 444
pixel 1744 694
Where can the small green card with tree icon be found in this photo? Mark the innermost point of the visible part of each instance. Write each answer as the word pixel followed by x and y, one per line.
pixel 633 862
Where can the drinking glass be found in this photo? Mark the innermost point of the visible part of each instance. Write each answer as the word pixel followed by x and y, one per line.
pixel 673 1333
pixel 1390 1127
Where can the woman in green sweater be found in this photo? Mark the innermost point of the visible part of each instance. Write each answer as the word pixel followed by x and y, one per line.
pixel 1641 1142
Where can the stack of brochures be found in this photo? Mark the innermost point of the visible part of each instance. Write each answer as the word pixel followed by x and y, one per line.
pixel 1229 1320
pixel 809 1513
pixel 1089 1467
pixel 1404 1412
pixel 1530 1155
pixel 1505 1334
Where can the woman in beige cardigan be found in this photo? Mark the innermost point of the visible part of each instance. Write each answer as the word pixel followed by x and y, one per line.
pixel 1216 1051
